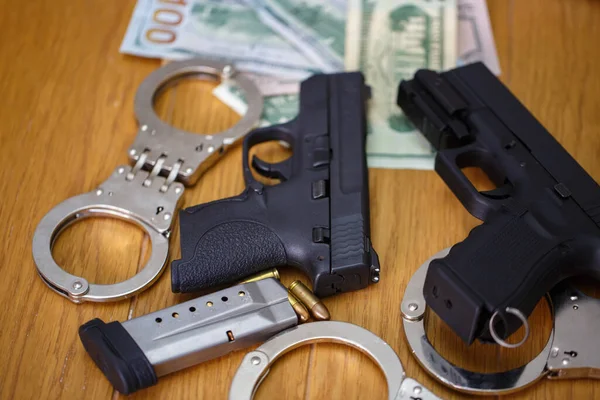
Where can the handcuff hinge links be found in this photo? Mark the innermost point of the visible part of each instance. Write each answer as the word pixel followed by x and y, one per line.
pixel 157 167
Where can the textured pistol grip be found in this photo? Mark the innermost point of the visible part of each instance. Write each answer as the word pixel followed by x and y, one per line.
pixel 233 250
pixel 510 260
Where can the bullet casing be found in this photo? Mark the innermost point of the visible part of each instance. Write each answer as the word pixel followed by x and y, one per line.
pixel 269 273
pixel 299 308
pixel 308 298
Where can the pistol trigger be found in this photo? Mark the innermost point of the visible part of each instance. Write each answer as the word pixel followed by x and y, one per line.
pixel 500 193
pixel 279 171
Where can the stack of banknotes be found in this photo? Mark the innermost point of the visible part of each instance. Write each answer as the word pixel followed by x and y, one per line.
pixel 278 43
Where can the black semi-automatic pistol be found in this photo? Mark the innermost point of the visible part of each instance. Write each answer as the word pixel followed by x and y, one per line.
pixel 540 225
pixel 315 219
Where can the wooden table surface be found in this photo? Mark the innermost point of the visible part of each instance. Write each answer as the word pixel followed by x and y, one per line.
pixel 66 121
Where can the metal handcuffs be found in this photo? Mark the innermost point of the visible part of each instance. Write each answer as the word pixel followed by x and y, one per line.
pixel 255 365
pixel 148 199
pixel 570 352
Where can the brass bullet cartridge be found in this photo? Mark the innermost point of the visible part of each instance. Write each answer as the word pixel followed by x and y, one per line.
pixel 269 273
pixel 301 311
pixel 312 302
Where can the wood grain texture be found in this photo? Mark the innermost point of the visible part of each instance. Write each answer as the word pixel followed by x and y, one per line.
pixel 66 121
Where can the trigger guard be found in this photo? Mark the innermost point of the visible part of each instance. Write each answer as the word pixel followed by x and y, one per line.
pixel 282 133
pixel 449 164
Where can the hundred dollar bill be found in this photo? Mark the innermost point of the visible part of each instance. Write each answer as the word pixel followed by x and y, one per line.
pixel 224 30
pixel 277 109
pixel 315 27
pixel 267 85
pixel 273 86
pixel 475 37
pixel 388 40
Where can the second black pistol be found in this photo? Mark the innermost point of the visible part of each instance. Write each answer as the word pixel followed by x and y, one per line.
pixel 541 224
pixel 315 219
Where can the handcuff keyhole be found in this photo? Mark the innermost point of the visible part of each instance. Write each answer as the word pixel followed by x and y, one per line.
pixel 159 210
pixel 230 336
pixel 199 147
pixel 571 353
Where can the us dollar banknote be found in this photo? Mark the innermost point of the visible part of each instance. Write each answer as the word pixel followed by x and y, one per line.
pixel 270 85
pixel 224 30
pixel 276 110
pixel 388 40
pixel 315 27
pixel 475 37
